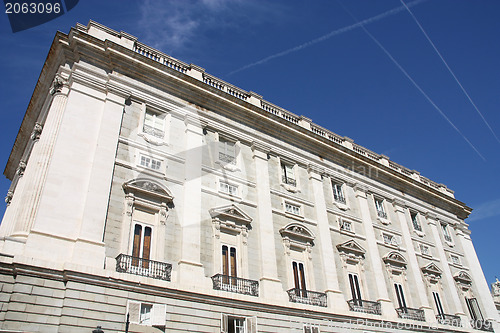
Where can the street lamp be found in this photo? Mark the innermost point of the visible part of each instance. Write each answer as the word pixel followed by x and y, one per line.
pixel 98 330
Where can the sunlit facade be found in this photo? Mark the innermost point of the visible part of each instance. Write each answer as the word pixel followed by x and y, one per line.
pixel 151 196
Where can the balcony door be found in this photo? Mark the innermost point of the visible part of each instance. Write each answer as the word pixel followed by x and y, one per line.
pixel 355 289
pixel 299 278
pixel 141 248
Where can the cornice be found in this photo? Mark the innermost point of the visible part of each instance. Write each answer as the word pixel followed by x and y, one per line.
pixel 79 44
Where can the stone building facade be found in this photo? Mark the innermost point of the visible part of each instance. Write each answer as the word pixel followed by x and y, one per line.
pixel 145 190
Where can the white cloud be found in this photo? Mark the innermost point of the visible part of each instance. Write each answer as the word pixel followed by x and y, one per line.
pixel 485 210
pixel 171 26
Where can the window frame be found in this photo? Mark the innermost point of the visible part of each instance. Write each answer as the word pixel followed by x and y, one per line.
pixel 338 192
pixel 249 323
pixel 228 185
pixel 415 221
pixel 152 159
pixel 288 173
pixel 149 137
pixel 446 233
pixel 292 205
pixel 420 246
pixel 157 313
pixel 343 222
pixel 379 208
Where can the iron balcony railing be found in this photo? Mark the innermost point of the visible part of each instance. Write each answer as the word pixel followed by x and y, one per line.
pixel 289 181
pixel 417 226
pixel 483 325
pixel 360 305
pixel 144 267
pixel 339 198
pixel 297 295
pixel 235 285
pixel 226 158
pixel 381 214
pixel 409 313
pixel 448 319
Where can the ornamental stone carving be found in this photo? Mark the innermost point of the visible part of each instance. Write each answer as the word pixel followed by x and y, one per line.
pixel 20 169
pixel 495 288
pixel 37 130
pixel 8 197
pixel 57 84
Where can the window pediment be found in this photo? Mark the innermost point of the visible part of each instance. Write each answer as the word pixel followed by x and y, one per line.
pixel 149 189
pixel 395 262
pixel 463 279
pixel 432 272
pixel 351 247
pixel 230 220
pixel 297 232
pixel 231 213
pixel 396 259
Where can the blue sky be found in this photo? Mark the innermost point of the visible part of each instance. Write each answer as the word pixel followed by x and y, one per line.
pixel 381 82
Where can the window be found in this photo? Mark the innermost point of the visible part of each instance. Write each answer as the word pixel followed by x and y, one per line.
pixel 151 163
pixel 141 248
pixel 345 225
pixel 292 209
pixel 309 328
pixel 355 289
pixel 415 221
pixel 338 193
pixel 390 239
pixel 230 324
pixel 229 266
pixel 400 295
pixel 227 151
pixel 455 259
pixel 228 188
pixel 299 278
pixel 474 310
pixel 437 303
pixel 424 249
pixel 446 233
pixel 379 205
pixel 147 314
pixel 287 174
pixel 154 124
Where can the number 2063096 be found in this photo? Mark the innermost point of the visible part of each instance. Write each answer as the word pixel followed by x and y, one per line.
pixel 32 8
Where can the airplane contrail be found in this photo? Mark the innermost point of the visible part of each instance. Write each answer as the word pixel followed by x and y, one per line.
pixel 330 35
pixel 408 76
pixel 449 70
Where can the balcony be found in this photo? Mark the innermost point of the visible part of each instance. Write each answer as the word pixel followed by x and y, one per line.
pixel 359 305
pixel 448 319
pixel 143 267
pixel 153 131
pixel 409 313
pixel 339 198
pixel 382 214
pixel 226 158
pixel 296 295
pixel 482 325
pixel 235 285
pixel 289 181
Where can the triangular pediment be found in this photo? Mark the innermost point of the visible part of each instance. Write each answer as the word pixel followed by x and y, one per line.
pixel 395 258
pixel 463 278
pixel 351 246
pixel 297 232
pixel 231 212
pixel 432 269
pixel 144 187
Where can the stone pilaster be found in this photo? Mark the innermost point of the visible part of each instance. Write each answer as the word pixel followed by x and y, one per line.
pixel 373 254
pixel 483 295
pixel 190 267
pixel 417 283
pixel 336 299
pixel 36 170
pixel 270 285
pixel 451 292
